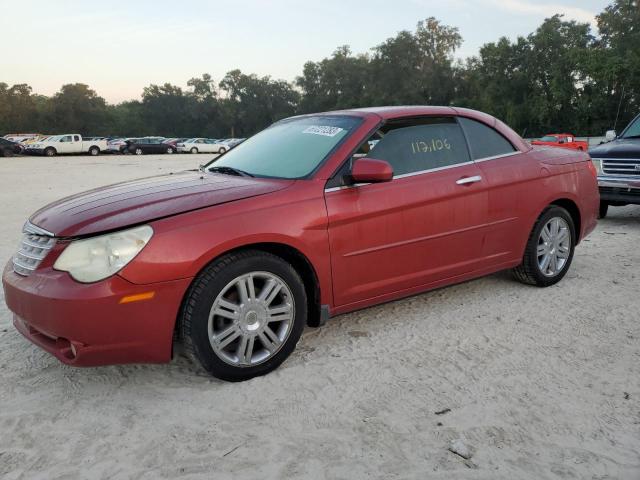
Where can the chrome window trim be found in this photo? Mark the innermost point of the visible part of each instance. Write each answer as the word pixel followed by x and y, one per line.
pixel 422 172
pixel 496 157
pixel 438 169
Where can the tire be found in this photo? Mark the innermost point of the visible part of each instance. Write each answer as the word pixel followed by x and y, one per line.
pixel 222 150
pixel 604 209
pixel 247 319
pixel 169 150
pixel 94 151
pixel 194 150
pixel 530 270
pixel 50 152
pixel 138 151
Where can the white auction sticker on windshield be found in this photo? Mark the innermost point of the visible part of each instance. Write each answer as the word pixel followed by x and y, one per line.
pixel 325 131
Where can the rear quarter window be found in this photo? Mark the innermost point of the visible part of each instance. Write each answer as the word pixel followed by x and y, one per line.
pixel 484 141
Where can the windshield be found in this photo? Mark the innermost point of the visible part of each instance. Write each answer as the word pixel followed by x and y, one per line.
pixel 290 148
pixel 633 130
pixel 55 138
pixel 549 138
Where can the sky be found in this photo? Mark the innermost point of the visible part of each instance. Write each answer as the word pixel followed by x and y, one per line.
pixel 118 47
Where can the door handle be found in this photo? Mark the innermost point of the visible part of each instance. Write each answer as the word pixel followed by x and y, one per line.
pixel 469 180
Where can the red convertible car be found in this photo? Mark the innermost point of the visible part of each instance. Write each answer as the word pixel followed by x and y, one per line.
pixel 315 216
pixel 562 140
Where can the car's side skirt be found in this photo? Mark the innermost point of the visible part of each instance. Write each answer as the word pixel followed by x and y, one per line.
pixel 389 297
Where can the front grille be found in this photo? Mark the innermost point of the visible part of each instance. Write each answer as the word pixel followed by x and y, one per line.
pixel 36 244
pixel 621 166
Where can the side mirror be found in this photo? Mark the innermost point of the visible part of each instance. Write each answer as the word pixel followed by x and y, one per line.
pixel 611 135
pixel 368 170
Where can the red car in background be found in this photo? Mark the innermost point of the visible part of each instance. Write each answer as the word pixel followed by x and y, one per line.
pixel 562 140
pixel 315 216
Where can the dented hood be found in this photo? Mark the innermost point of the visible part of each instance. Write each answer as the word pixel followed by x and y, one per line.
pixel 130 203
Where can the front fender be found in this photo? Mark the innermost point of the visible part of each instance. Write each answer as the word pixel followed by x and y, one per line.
pixel 184 244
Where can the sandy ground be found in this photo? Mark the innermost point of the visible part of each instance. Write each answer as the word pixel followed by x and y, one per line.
pixel 541 383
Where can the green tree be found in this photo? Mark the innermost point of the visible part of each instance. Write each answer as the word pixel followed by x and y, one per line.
pixel 251 103
pixel 77 108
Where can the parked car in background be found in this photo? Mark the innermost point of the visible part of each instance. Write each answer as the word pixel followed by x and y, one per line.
pixel 231 142
pixel 174 142
pixel 202 145
pixel 9 148
pixel 21 137
pixel 562 140
pixel 66 144
pixel 32 140
pixel 140 146
pixel 618 166
pixel 236 259
pixel 116 145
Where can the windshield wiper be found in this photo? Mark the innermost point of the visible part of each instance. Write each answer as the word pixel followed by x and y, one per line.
pixel 632 136
pixel 230 171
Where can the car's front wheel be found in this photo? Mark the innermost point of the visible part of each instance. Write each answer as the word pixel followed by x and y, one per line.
pixel 549 250
pixel 194 150
pixel 244 315
pixel 138 151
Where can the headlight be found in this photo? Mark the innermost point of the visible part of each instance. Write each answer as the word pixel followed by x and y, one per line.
pixel 100 257
pixel 598 164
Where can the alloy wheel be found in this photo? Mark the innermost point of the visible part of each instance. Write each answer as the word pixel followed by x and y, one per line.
pixel 251 318
pixel 554 247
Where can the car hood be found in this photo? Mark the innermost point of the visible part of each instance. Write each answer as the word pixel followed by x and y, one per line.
pixel 622 148
pixel 130 203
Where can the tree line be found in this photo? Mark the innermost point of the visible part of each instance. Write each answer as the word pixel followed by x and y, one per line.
pixel 561 77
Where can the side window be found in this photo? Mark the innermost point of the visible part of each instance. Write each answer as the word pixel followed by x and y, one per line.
pixel 76 138
pixel 66 138
pixel 484 141
pixel 421 144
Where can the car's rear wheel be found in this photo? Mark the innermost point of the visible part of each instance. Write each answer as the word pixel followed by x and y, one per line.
pixel 169 150
pixel 244 315
pixel 549 250
pixel 194 150
pixel 604 209
pixel 222 150
pixel 138 151
pixel 94 151
pixel 50 152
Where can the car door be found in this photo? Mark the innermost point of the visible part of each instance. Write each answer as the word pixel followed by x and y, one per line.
pixel 76 144
pixel 512 181
pixel 65 144
pixel 423 227
pixel 155 146
pixel 150 146
pixel 210 146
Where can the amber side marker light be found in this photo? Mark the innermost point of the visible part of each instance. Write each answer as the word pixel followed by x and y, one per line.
pixel 138 297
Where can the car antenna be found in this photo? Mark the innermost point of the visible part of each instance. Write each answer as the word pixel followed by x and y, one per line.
pixel 615 124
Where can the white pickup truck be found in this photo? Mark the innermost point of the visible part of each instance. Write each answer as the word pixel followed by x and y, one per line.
pixel 67 143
